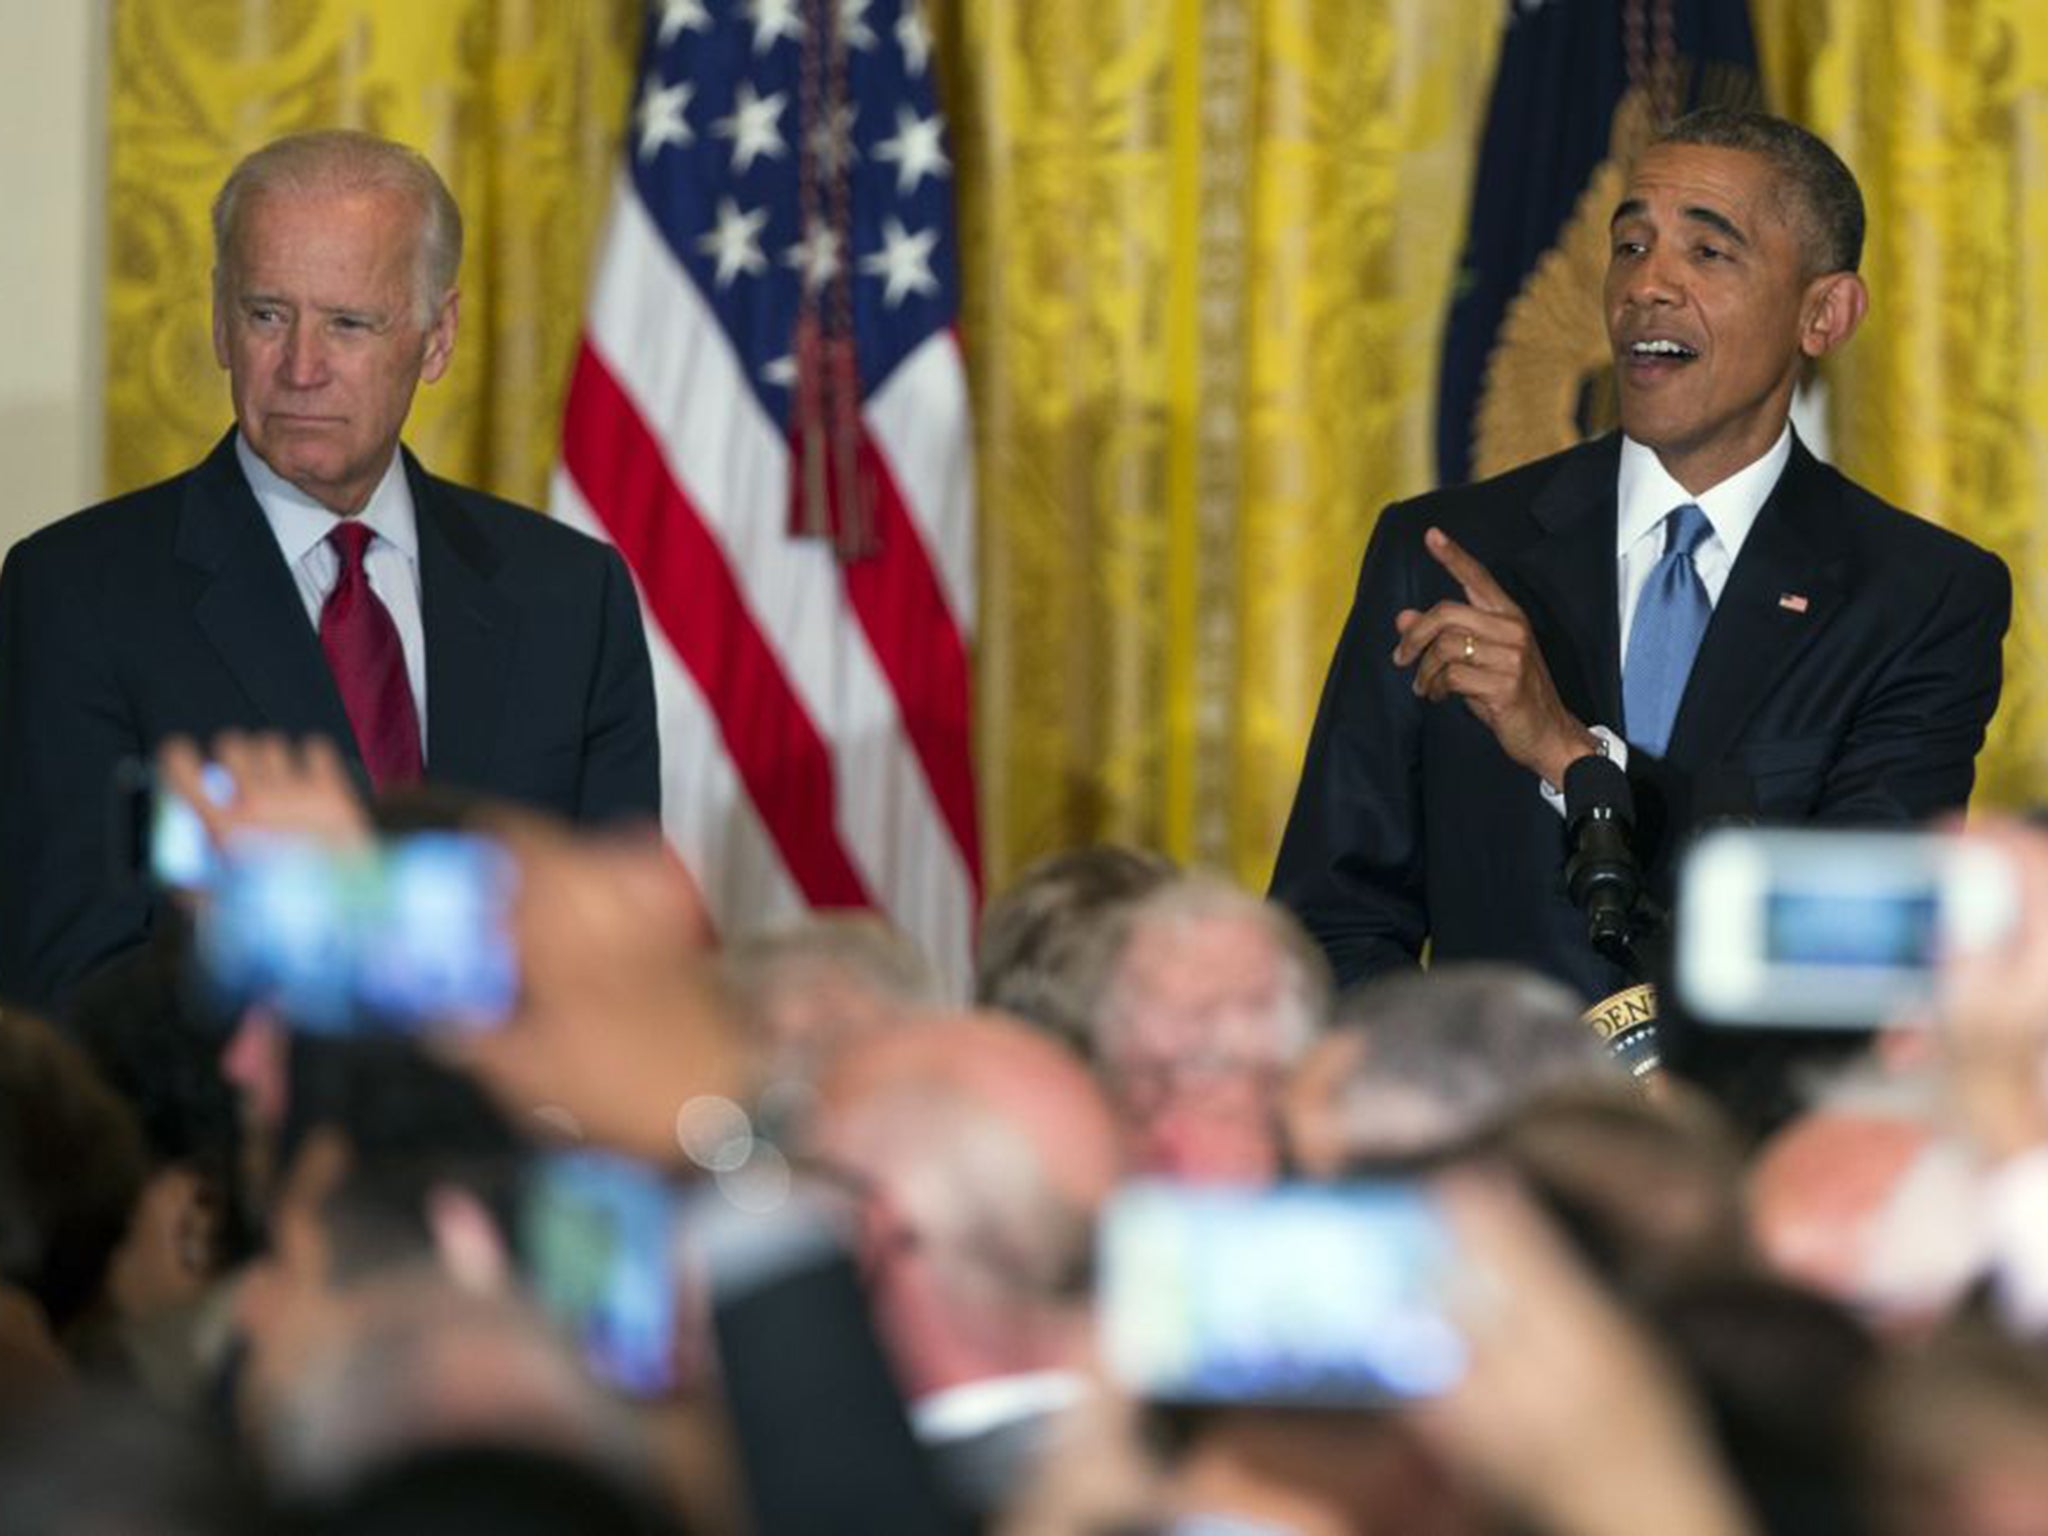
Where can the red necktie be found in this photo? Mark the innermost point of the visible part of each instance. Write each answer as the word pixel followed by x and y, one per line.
pixel 368 663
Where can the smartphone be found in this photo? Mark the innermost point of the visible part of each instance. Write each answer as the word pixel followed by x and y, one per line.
pixel 1298 1295
pixel 413 933
pixel 1812 928
pixel 602 1241
pixel 163 840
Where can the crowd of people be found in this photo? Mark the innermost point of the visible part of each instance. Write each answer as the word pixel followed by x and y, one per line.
pixel 259 1276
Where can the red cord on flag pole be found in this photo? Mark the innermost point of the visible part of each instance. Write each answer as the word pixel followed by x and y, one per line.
pixel 830 496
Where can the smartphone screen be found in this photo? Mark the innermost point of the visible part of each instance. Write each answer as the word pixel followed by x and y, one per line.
pixel 157 835
pixel 181 855
pixel 1816 928
pixel 409 934
pixel 1321 1295
pixel 602 1240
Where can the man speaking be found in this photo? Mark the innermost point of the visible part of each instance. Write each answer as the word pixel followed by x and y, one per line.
pixel 1697 598
pixel 308 576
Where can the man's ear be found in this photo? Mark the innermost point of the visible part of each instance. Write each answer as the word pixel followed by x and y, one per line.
pixel 1835 306
pixel 440 347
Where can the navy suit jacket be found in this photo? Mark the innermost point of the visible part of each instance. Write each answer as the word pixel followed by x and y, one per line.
pixel 1847 675
pixel 171 610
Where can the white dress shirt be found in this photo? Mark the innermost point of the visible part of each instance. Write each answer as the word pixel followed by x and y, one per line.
pixel 1645 494
pixel 391 561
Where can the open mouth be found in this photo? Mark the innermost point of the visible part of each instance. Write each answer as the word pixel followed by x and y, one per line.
pixel 1660 350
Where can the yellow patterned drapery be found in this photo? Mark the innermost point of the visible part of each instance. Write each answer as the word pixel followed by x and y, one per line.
pixel 1205 254
pixel 1941 402
pixel 518 102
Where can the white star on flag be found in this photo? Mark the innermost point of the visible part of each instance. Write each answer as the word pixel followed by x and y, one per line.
pixel 914 38
pixel 915 149
pixel 736 242
pixel 661 116
pixel 904 263
pixel 832 140
pixel 816 255
pixel 753 126
pixel 680 16
pixel 812 673
pixel 853 23
pixel 773 20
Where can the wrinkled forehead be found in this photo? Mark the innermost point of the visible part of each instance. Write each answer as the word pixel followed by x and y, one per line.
pixel 376 224
pixel 1713 183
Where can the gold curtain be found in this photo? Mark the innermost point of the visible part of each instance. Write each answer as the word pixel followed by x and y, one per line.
pixel 1207 247
pixel 1205 254
pixel 518 102
pixel 1941 402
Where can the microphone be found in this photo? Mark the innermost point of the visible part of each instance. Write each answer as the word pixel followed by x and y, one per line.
pixel 1601 875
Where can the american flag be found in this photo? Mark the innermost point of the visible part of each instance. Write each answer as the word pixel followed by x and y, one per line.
pixel 768 417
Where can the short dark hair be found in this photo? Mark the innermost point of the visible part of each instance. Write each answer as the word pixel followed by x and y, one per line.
pixel 71 1167
pixel 1829 203
pixel 140 1019
pixel 411 1124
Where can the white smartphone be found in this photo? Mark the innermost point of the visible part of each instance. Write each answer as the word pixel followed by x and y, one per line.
pixel 1815 928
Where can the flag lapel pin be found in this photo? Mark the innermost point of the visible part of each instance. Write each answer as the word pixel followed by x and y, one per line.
pixel 1792 602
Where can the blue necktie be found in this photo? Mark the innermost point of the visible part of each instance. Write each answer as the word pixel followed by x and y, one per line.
pixel 1671 615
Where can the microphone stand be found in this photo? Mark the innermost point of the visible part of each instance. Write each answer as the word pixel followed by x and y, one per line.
pixel 1605 882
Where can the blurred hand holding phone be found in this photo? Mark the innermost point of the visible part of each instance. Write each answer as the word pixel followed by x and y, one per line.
pixel 621 1020
pixel 163 836
pixel 1990 1015
pixel 1568 1410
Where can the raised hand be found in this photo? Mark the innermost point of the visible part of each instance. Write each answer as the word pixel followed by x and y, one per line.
pixel 1482 650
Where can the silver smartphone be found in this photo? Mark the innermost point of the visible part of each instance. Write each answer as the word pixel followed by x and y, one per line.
pixel 1815 928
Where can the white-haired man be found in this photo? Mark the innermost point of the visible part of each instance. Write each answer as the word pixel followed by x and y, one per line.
pixel 308 576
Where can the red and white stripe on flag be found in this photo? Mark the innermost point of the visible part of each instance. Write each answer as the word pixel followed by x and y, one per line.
pixel 785 165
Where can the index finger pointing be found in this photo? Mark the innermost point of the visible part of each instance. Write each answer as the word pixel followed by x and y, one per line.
pixel 1481 590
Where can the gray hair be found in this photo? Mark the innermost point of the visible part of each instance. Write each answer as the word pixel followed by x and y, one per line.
pixel 857 947
pixel 1827 202
pixel 335 160
pixel 1465 1042
pixel 1301 1007
pixel 1040 954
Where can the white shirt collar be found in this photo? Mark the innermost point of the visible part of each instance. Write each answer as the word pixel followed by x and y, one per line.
pixel 302 524
pixel 975 1407
pixel 1647 492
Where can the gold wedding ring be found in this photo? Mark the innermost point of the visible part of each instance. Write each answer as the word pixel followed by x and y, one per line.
pixel 1471 650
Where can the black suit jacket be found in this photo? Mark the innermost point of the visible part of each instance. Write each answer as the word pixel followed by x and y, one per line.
pixel 1847 675
pixel 172 610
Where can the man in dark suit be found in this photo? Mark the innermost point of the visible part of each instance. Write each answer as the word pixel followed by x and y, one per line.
pixel 1699 599
pixel 308 576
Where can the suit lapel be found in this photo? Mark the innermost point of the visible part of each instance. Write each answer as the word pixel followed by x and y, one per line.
pixel 1784 587
pixel 470 628
pixel 1564 580
pixel 248 608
